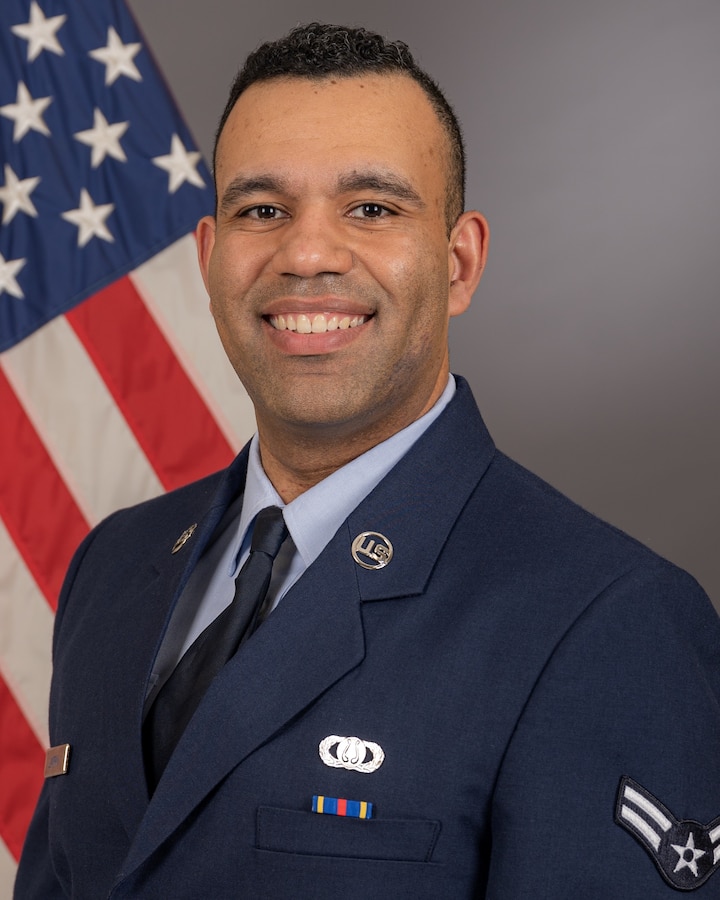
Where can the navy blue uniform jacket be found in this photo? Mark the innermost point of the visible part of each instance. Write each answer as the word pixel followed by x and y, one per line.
pixel 515 660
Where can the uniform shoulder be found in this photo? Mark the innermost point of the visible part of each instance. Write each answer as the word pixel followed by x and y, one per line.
pixel 547 531
pixel 548 504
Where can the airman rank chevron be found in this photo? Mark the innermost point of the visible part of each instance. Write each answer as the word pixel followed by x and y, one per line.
pixel 686 853
pixel 335 806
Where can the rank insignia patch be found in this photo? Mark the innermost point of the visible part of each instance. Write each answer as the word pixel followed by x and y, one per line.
pixel 686 853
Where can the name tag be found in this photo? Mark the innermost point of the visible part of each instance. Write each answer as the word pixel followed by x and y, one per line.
pixel 57 760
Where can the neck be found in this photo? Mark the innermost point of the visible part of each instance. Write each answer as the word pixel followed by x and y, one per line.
pixel 294 466
pixel 295 459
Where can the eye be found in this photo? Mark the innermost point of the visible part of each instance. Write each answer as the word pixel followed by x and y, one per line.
pixel 264 211
pixel 370 211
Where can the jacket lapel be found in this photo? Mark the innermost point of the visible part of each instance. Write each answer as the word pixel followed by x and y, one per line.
pixel 416 506
pixel 149 599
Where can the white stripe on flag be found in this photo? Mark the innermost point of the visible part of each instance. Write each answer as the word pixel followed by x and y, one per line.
pixel 26 623
pixel 173 291
pixel 77 419
pixel 7 873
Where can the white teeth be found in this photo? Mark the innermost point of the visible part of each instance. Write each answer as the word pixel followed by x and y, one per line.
pixel 318 324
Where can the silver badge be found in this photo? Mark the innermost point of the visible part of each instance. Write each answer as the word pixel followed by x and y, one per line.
pixel 351 753
pixel 184 538
pixel 372 550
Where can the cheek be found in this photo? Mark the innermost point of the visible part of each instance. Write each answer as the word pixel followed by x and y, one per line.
pixel 410 261
pixel 229 275
pixel 421 279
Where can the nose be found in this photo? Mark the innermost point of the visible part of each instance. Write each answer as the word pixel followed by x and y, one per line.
pixel 313 243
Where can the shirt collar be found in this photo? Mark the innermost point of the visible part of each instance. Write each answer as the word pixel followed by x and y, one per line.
pixel 314 517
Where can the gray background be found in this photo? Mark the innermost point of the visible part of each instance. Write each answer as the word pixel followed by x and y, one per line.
pixel 593 133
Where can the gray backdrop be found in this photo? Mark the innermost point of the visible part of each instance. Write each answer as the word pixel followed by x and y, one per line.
pixel 593 133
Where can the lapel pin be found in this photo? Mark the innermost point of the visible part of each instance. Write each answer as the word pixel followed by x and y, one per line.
pixel 184 538
pixel 57 760
pixel 336 806
pixel 372 550
pixel 351 753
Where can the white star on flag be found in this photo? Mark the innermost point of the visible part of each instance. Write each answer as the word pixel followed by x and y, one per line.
pixel 104 139
pixel 8 270
pixel 117 58
pixel 15 195
pixel 90 219
pixel 40 32
pixel 682 852
pixel 26 113
pixel 181 165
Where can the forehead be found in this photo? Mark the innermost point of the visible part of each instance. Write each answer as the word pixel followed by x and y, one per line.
pixel 291 123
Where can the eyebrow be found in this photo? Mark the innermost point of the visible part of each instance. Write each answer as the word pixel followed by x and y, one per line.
pixel 244 186
pixel 378 181
pixel 381 182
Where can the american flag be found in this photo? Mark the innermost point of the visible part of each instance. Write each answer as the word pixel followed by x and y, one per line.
pixel 113 385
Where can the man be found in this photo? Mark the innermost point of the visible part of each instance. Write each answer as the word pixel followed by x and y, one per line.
pixel 464 686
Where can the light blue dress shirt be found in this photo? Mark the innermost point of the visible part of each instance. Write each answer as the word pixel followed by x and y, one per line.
pixel 312 520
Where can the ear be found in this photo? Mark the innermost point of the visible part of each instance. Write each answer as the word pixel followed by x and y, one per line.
pixel 467 249
pixel 205 240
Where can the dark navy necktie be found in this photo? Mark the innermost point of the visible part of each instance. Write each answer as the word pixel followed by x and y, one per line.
pixel 179 697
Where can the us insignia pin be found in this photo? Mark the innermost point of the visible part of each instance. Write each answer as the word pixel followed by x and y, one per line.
pixel 686 853
pixel 184 538
pixel 372 550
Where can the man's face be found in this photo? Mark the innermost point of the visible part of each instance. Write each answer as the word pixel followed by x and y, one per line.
pixel 329 264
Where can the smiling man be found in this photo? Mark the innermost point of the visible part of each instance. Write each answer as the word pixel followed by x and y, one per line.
pixel 375 656
pixel 329 267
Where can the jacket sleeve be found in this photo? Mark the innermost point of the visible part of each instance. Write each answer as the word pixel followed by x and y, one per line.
pixel 629 699
pixel 36 878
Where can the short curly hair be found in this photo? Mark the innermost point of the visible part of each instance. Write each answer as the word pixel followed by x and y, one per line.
pixel 318 51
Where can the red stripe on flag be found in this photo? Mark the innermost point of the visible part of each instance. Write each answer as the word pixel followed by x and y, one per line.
pixel 39 512
pixel 22 762
pixel 165 412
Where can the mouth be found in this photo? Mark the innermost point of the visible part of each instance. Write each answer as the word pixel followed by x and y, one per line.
pixel 315 323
